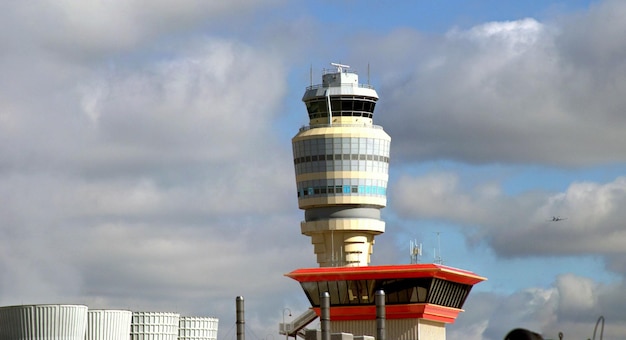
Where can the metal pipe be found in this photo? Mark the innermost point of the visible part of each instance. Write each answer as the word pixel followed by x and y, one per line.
pixel 241 322
pixel 601 318
pixel 325 315
pixel 330 111
pixel 380 315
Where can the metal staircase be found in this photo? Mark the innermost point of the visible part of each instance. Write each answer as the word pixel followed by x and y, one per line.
pixel 295 327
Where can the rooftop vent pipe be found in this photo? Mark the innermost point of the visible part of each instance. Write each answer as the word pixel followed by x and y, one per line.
pixel 241 322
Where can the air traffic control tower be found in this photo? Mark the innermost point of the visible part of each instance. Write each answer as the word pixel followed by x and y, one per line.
pixel 341 161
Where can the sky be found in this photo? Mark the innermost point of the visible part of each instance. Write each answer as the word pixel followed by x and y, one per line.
pixel 145 153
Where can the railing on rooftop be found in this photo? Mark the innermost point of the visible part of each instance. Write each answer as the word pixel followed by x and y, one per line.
pixel 313 87
pixel 334 70
pixel 315 126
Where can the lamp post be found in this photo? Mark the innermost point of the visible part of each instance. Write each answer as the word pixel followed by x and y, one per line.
pixel 284 324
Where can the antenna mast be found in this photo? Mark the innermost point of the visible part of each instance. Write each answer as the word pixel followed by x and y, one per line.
pixel 416 251
pixel 438 258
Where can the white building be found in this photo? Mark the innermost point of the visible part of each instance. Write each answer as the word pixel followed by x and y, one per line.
pixel 105 324
pixel 43 322
pixel 77 322
pixel 197 328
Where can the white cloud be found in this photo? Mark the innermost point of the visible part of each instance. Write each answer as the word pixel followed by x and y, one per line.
pixel 515 92
pixel 571 305
pixel 122 180
pixel 520 225
pixel 532 309
pixel 433 195
pixel 140 166
pixel 443 196
pixel 99 28
pixel 577 296
pixel 216 94
pixel 517 36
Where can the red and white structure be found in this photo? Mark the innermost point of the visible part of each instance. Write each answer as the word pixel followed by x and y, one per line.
pixel 341 162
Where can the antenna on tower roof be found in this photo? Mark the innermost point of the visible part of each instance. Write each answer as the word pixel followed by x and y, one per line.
pixel 340 67
pixel 437 254
pixel 416 251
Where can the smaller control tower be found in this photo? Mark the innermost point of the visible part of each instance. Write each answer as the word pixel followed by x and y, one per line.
pixel 341 161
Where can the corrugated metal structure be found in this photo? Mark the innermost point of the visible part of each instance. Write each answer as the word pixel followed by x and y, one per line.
pixel 154 326
pixel 197 328
pixel 77 322
pixel 43 322
pixel 108 324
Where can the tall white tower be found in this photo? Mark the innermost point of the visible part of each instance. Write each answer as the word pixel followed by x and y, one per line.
pixel 341 161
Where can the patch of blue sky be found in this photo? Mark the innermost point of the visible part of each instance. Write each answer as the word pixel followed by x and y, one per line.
pixel 509 275
pixel 470 176
pixel 504 275
pixel 294 114
pixel 435 16
pixel 525 178
pixel 300 76
pixel 514 179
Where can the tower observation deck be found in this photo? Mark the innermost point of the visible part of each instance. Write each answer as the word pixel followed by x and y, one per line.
pixel 341 162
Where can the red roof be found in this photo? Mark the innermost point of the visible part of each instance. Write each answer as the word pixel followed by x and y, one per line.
pixel 408 311
pixel 402 271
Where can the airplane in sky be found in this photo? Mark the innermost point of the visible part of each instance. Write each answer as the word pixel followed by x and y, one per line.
pixel 557 219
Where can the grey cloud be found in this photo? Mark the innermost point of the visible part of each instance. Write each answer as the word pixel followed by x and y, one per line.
pixel 81 31
pixel 520 225
pixel 159 185
pixel 494 315
pixel 513 92
pixel 594 224
pixel 154 179
pixel 571 305
pixel 204 104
